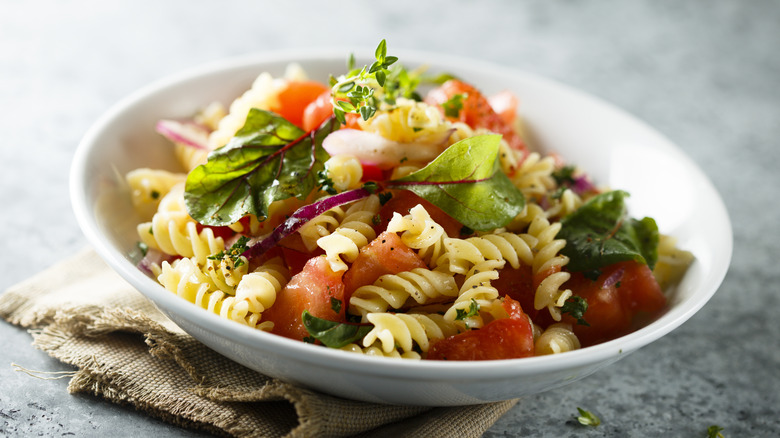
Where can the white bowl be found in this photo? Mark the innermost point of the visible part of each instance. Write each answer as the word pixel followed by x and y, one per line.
pixel 616 149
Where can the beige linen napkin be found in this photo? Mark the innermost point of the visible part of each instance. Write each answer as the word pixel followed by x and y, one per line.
pixel 127 352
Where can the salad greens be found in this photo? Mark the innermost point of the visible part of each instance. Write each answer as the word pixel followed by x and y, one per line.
pixel 600 233
pixel 268 160
pixel 466 182
pixel 354 92
pixel 334 334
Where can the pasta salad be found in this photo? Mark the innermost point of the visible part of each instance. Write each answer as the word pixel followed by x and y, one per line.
pixel 395 213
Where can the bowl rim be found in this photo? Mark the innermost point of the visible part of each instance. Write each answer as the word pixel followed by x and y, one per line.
pixel 385 367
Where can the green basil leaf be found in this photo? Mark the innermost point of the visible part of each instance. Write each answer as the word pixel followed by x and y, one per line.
pixel 466 182
pixel 331 333
pixel 268 159
pixel 600 233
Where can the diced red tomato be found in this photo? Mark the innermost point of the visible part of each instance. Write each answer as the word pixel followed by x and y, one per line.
pixel 507 338
pixel 403 200
pixel 624 296
pixel 517 284
pixel 296 98
pixel 317 111
pixel 317 289
pixel 477 111
pixel 386 254
pixel 224 232
pixel 320 109
pixel 372 172
pixel 505 105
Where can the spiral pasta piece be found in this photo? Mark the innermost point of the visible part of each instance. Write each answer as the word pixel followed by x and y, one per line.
pixel 149 186
pixel 263 94
pixel 462 254
pixel 225 274
pixel 672 262
pixel 375 350
pixel 420 232
pixel 345 171
pixel 534 176
pixel 563 205
pixel 260 287
pixel 320 226
pixel 185 278
pixel 404 330
pixel 408 122
pixel 477 289
pixel 353 233
pixel 395 290
pixel 175 233
pixel 555 339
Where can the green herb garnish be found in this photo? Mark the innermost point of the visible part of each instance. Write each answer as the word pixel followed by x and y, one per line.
pixel 268 160
pixel 144 248
pixel 335 305
pixel 331 333
pixel 233 255
pixel 576 306
pixel 467 183
pixel 714 431
pixel 587 418
pixel 564 175
pixel 600 233
pixel 453 105
pixel 473 310
pixel 354 92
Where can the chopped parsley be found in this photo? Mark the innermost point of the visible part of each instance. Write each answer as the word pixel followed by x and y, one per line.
pixel 473 310
pixel 326 183
pixel 453 105
pixel 576 306
pixel 564 175
pixel 234 253
pixel 335 304
pixel 143 247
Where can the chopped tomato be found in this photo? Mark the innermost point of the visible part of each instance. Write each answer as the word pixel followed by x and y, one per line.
pixel 317 289
pixel 317 111
pixel 296 98
pixel 320 109
pixel 476 112
pixel 224 232
pixel 624 295
pixel 507 338
pixel 505 105
pixel 403 200
pixel 372 172
pixel 386 254
pixel 517 284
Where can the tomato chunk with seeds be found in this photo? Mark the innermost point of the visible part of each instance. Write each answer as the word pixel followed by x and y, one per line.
pixel 321 109
pixel 625 296
pixel 296 97
pixel 317 289
pixel 476 110
pixel 386 254
pixel 509 338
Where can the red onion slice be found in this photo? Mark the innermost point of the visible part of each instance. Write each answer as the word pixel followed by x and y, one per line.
pixel 187 133
pixel 300 217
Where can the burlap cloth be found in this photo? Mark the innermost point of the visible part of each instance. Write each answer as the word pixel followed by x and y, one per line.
pixel 82 313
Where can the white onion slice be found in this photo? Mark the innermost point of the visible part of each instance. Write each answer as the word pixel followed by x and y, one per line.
pixel 369 147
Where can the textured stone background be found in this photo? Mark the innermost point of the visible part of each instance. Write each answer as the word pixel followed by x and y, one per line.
pixel 705 73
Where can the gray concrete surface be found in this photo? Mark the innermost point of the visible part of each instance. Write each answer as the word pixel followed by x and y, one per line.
pixel 705 73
